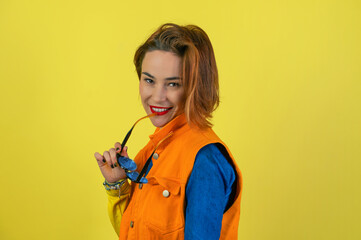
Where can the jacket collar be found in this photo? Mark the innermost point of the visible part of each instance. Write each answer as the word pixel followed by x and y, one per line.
pixel 172 126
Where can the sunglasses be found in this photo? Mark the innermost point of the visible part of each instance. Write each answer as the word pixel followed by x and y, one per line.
pixel 129 165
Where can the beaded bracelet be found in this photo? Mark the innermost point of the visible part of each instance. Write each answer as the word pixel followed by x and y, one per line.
pixel 114 186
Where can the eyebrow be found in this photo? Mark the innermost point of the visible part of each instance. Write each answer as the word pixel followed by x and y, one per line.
pixel 169 78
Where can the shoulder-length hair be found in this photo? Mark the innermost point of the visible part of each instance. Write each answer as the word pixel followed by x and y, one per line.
pixel 199 70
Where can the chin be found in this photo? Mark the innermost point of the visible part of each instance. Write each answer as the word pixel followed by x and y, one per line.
pixel 158 122
pixel 162 120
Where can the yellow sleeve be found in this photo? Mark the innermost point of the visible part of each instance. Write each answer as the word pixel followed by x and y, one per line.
pixel 117 202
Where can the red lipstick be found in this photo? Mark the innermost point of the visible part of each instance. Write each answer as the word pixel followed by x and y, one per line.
pixel 160 110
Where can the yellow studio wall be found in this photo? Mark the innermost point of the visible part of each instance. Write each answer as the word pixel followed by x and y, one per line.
pixel 290 112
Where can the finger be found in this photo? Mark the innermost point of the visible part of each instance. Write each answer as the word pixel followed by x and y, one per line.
pixel 106 156
pixel 125 152
pixel 113 157
pixel 99 158
pixel 118 147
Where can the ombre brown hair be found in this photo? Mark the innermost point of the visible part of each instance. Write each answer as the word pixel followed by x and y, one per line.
pixel 199 70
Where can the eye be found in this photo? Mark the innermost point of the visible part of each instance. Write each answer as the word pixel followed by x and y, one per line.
pixel 148 80
pixel 174 84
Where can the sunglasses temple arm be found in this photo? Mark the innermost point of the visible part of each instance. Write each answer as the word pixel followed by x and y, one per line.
pixel 145 168
pixel 130 131
pixel 126 139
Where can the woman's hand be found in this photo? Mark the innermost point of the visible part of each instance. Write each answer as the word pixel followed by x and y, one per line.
pixel 108 164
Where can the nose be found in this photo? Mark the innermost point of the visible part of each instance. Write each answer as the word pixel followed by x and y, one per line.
pixel 159 93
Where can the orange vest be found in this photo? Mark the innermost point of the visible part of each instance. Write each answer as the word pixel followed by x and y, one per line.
pixel 156 209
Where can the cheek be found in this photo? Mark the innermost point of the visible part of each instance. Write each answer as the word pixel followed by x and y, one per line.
pixel 142 92
pixel 178 98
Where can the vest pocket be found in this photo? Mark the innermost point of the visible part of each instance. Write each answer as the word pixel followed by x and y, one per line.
pixel 155 234
pixel 164 211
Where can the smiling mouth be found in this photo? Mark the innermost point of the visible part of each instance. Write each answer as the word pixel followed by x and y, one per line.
pixel 160 110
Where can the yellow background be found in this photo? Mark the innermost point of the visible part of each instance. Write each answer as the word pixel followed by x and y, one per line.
pixel 290 75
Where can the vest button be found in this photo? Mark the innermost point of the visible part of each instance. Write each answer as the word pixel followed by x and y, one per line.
pixel 131 224
pixel 155 156
pixel 165 193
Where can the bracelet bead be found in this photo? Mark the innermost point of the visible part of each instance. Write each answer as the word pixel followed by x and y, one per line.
pixel 113 186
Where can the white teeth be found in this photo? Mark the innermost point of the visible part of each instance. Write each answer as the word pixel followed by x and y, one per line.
pixel 160 109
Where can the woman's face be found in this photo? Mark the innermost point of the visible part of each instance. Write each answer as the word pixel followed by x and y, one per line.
pixel 160 86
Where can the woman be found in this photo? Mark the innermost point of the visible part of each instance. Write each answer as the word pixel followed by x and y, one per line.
pixel 190 186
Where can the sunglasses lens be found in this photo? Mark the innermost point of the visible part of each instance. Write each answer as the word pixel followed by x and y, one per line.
pixel 134 175
pixel 127 163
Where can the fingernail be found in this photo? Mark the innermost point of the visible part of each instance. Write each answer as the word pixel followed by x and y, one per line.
pixel 104 160
pixel 115 164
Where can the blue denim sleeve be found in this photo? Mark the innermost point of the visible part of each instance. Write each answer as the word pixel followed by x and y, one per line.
pixel 207 194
